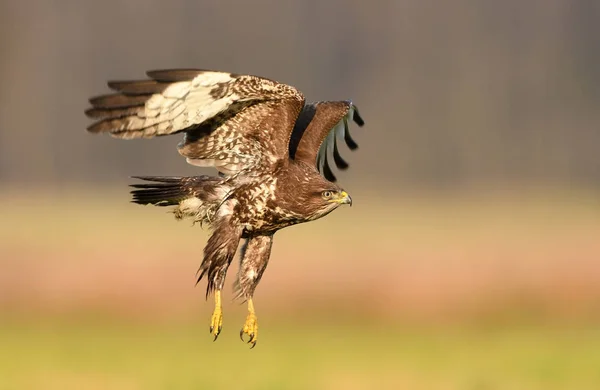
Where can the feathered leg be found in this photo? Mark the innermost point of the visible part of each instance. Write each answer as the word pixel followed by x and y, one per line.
pixel 218 253
pixel 253 262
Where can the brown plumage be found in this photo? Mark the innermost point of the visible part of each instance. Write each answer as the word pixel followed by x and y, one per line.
pixel 271 149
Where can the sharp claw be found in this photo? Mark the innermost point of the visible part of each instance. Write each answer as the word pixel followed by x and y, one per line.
pixel 253 345
pixel 210 329
pixel 242 334
pixel 215 339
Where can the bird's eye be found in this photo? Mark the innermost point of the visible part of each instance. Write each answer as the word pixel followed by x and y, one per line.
pixel 326 194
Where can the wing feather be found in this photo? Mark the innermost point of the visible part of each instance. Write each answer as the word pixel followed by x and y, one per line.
pixel 175 75
pixel 318 128
pixel 117 101
pixel 138 87
pixel 337 158
pixel 232 122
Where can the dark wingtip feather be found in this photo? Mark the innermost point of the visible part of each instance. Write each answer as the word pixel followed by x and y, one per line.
pixel 327 171
pixel 101 126
pixel 117 100
pixel 94 113
pixel 349 141
pixel 93 129
pixel 337 158
pixel 174 75
pixel 137 87
pixel 113 113
pixel 357 118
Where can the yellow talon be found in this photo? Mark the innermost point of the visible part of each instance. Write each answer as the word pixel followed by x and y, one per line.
pixel 250 326
pixel 216 321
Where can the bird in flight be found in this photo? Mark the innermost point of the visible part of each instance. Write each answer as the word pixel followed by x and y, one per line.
pixel 272 151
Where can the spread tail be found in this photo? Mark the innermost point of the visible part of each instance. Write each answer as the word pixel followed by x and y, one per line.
pixel 164 191
pixel 195 196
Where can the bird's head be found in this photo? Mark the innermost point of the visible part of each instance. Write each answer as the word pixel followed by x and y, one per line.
pixel 308 195
pixel 323 197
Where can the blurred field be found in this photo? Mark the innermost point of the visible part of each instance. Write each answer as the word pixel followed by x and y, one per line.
pixel 485 291
pixel 94 354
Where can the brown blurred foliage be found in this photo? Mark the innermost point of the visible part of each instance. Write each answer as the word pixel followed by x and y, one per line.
pixel 453 93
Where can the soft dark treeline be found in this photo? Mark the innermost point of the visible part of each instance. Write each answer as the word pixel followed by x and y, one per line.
pixel 456 92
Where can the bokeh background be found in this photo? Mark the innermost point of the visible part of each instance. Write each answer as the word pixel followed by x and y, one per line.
pixel 471 256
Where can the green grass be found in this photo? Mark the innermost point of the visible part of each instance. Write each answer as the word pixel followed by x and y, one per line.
pixel 78 354
pixel 520 260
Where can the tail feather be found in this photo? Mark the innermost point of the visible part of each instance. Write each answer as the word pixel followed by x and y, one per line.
pixel 165 191
pixel 195 196
pixel 171 179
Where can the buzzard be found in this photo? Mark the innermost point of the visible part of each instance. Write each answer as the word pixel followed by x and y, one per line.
pixel 272 152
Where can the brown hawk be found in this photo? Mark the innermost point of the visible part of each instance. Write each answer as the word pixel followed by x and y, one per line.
pixel 271 149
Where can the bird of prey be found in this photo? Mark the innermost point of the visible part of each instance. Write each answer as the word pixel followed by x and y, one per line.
pixel 271 149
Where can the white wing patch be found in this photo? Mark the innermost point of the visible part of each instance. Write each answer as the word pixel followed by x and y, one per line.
pixel 232 122
pixel 182 104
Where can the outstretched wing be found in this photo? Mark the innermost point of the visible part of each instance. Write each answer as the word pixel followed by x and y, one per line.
pixel 316 132
pixel 232 122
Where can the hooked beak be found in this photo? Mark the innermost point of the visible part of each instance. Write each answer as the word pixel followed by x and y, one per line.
pixel 343 198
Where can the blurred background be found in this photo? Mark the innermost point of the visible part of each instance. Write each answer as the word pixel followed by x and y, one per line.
pixel 471 256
